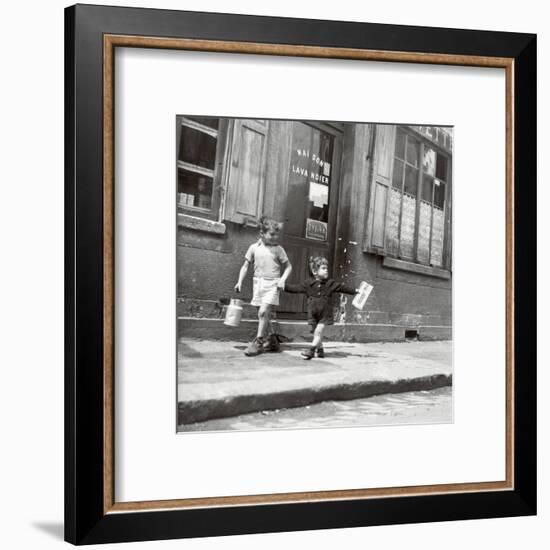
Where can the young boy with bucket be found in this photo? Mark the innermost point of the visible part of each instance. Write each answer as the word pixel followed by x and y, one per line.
pixel 269 258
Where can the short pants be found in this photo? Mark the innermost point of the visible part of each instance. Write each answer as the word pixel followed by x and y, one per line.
pixel 319 310
pixel 265 292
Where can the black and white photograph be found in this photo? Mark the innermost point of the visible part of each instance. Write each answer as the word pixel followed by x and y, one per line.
pixel 314 274
pixel 266 316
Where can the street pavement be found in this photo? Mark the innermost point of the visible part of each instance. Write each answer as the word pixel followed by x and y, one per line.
pixel 422 407
pixel 216 379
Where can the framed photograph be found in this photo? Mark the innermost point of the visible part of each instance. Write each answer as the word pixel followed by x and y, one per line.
pixel 300 258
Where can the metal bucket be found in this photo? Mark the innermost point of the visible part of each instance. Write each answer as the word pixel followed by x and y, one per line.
pixel 234 313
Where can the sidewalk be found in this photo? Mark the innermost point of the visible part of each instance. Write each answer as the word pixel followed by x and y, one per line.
pixel 216 379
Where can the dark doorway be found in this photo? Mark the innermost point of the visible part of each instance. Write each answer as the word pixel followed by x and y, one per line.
pixel 311 204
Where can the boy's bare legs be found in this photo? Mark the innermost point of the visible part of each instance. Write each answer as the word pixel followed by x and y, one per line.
pixel 264 320
pixel 317 344
pixel 257 345
pixel 271 342
pixel 318 336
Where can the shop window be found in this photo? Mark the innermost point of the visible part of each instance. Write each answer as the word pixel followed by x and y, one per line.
pixel 198 140
pixel 409 207
pixel 417 201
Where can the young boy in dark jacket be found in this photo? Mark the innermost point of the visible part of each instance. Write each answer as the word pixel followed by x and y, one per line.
pixel 319 290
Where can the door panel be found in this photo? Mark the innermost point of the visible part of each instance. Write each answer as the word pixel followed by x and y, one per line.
pixel 294 303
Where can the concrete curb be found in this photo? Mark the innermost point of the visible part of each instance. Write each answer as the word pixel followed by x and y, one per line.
pixel 203 328
pixel 201 410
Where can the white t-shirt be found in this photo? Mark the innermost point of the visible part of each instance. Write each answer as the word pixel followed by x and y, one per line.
pixel 267 259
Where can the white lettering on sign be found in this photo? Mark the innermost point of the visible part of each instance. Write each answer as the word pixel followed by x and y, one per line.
pixel 317 160
pixel 306 174
pixel 319 177
pixel 299 170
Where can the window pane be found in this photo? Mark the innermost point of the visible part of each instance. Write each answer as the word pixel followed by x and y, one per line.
pixel 428 162
pixel 424 231
pixel 400 144
pixel 427 185
pixel 411 180
pixel 197 148
pixel 206 121
pixel 194 189
pixel 309 182
pixel 298 186
pixel 439 194
pixel 319 176
pixel 397 177
pixel 408 220
pixel 392 226
pixel 413 147
pixel 441 170
pixel 437 237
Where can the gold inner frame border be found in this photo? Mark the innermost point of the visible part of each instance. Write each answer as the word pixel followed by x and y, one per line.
pixel 110 42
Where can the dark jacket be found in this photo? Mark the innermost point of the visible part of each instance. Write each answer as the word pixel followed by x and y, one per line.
pixel 319 298
pixel 314 288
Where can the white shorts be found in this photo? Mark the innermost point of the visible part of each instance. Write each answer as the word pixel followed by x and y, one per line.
pixel 265 292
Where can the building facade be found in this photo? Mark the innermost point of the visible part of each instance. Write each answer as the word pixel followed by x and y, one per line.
pixel 375 199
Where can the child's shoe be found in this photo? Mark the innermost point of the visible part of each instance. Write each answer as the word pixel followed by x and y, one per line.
pixel 272 343
pixel 320 353
pixel 308 354
pixel 255 347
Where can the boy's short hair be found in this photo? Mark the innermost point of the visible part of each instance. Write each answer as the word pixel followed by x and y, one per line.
pixel 315 262
pixel 267 225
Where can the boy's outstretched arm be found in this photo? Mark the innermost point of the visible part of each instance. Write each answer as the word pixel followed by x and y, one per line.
pixel 345 289
pixel 286 274
pixel 242 275
pixel 295 289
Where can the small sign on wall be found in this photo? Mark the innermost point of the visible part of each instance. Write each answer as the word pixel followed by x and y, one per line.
pixel 316 230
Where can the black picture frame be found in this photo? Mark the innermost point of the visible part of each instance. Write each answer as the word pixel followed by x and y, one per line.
pixel 86 521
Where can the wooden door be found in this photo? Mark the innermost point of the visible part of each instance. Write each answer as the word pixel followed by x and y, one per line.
pixel 311 204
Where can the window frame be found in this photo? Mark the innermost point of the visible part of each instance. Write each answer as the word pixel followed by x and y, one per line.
pixel 447 206
pixel 217 174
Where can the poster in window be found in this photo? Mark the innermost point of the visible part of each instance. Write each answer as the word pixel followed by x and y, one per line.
pixel 318 194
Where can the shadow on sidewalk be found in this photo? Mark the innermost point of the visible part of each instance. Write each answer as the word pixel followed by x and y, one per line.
pixel 330 352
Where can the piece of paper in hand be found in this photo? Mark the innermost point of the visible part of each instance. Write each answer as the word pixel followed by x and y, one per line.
pixel 361 298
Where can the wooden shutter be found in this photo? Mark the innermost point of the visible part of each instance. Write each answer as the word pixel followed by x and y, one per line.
pixel 246 180
pixel 375 231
